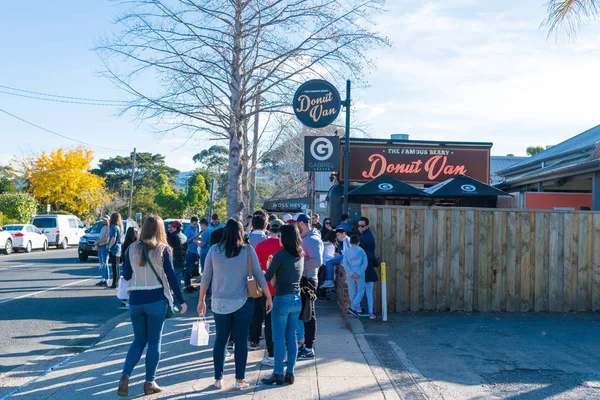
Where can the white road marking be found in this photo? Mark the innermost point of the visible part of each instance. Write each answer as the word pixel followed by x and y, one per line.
pixel 47 290
pixel 18 266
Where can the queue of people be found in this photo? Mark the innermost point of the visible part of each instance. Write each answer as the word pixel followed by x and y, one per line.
pixel 284 257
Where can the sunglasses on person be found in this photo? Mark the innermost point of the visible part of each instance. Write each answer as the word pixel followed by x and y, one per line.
pixel 361 226
pixel 327 223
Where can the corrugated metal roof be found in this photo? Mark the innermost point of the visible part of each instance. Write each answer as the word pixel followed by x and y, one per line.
pixel 584 139
pixel 498 163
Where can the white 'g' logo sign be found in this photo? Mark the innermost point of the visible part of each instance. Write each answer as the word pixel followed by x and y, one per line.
pixel 386 187
pixel 468 188
pixel 321 149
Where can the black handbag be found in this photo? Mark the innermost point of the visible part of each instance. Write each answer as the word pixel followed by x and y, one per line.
pixel 172 310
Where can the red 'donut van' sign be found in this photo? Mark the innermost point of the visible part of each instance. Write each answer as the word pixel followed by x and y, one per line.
pixel 417 163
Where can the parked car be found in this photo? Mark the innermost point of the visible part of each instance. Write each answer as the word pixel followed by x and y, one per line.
pixel 87 241
pixel 60 230
pixel 26 237
pixel 6 243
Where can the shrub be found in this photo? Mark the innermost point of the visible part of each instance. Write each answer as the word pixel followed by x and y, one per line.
pixel 17 207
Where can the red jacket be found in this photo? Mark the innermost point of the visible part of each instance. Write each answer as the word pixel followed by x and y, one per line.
pixel 265 249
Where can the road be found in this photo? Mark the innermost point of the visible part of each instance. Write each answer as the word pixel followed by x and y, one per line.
pixel 48 303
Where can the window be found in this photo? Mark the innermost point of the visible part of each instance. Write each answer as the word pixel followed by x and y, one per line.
pixel 31 229
pixel 44 222
pixel 80 224
pixel 72 223
pixel 13 227
pixel 96 228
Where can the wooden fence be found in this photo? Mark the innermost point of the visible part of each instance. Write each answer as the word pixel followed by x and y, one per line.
pixel 488 260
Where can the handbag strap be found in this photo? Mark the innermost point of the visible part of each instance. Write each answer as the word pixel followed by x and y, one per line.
pixel 250 275
pixel 150 263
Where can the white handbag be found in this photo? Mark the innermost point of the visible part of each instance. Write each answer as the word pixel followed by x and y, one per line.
pixel 122 291
pixel 200 333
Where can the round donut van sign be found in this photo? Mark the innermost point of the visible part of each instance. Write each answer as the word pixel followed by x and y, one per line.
pixel 317 103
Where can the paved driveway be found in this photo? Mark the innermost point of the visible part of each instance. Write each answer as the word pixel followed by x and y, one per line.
pixel 478 356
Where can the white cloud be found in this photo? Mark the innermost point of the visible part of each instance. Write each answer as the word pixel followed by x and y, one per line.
pixel 463 70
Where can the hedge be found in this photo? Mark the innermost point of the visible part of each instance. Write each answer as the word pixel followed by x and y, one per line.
pixel 17 207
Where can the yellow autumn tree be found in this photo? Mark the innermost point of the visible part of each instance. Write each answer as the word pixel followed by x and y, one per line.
pixel 63 178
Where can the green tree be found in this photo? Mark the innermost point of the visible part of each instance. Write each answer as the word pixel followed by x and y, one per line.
pixel 213 159
pixel 144 202
pixel 178 203
pixel 8 179
pixel 18 207
pixel 533 150
pixel 117 171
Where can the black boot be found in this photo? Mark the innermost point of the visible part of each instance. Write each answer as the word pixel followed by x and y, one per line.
pixel 274 378
pixel 289 378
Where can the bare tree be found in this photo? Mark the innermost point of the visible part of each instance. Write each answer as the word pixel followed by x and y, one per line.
pixel 211 60
pixel 284 163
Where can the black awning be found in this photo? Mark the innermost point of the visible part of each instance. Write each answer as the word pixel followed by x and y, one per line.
pixel 464 186
pixel 290 205
pixel 385 185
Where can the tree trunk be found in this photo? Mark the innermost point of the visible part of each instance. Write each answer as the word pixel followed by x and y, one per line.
pixel 245 161
pixel 254 158
pixel 235 206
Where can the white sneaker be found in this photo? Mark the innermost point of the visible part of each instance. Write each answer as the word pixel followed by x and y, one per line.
pixel 328 284
pixel 268 361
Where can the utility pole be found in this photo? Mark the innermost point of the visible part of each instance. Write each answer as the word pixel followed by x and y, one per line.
pixel 211 198
pixel 347 149
pixel 132 176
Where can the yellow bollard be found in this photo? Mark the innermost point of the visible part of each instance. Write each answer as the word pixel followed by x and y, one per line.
pixel 384 291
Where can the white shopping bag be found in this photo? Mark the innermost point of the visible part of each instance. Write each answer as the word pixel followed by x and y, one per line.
pixel 122 291
pixel 200 331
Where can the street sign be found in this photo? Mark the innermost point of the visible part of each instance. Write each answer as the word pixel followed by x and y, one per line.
pixel 321 153
pixel 317 103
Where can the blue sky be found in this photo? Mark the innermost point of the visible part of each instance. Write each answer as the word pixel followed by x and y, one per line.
pixel 459 70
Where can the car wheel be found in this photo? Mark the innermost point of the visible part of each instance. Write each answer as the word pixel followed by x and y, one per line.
pixel 8 248
pixel 45 247
pixel 83 257
pixel 28 247
pixel 64 244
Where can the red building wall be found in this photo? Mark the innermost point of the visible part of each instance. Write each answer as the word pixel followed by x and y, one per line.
pixel 548 201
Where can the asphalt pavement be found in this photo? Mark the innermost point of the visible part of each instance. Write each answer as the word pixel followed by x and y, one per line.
pixel 489 355
pixel 50 307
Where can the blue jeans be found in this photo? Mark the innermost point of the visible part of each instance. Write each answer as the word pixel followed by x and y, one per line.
pixel 237 322
pixel 284 321
pixel 330 265
pixel 190 260
pixel 300 328
pixel 356 290
pixel 103 259
pixel 147 321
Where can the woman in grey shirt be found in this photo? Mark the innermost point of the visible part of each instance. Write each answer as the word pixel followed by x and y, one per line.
pixel 226 267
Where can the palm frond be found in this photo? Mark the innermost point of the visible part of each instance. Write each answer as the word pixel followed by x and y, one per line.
pixel 570 14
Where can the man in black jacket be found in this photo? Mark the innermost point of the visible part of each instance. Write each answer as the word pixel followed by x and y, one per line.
pixel 178 243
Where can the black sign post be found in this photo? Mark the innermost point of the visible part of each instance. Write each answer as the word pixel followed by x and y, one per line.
pixel 317 103
pixel 321 153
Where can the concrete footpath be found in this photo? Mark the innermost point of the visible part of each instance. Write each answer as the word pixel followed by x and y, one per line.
pixel 344 368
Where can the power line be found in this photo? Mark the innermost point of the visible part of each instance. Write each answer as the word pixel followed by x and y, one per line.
pixel 61 97
pixel 87 103
pixel 60 135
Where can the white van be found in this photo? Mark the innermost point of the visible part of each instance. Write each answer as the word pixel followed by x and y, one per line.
pixel 61 230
